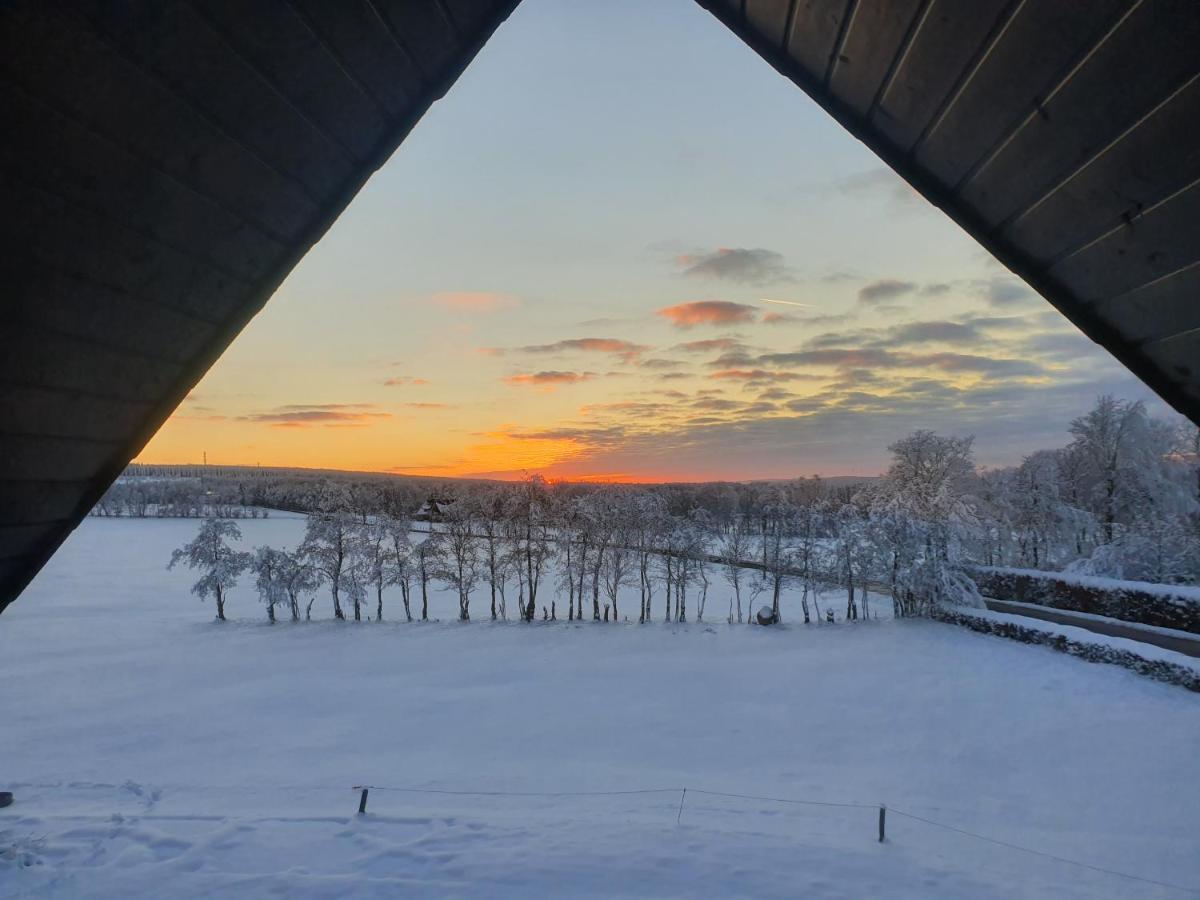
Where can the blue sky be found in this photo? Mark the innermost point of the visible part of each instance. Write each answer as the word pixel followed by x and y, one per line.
pixel 536 279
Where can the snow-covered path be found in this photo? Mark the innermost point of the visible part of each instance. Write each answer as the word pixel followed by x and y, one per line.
pixel 157 753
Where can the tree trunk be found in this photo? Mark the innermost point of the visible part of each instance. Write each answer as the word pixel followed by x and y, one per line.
pixel 220 605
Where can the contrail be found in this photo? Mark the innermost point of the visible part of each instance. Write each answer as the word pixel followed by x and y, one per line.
pixel 788 303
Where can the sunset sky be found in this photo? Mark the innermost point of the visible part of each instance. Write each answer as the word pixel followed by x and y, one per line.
pixel 636 255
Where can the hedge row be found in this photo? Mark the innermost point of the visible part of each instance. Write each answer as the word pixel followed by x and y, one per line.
pixel 1159 605
pixel 1160 670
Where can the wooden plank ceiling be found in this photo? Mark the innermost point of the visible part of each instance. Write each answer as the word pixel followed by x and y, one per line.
pixel 165 164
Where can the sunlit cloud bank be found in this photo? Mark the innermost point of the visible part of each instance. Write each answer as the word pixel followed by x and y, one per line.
pixel 708 312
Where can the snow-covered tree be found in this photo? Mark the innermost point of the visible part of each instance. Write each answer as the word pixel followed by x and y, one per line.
pixel 270 568
pixel 929 481
pixel 398 562
pixel 328 547
pixel 373 550
pixel 734 547
pixel 458 552
pixel 220 564
pixel 298 578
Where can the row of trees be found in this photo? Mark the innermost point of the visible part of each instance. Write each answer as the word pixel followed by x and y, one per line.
pixel 535 546
pixel 1122 499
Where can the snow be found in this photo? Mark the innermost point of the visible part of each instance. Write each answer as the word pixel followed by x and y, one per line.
pixel 155 752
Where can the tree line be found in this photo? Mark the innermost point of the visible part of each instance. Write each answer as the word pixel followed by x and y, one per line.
pixel 1121 499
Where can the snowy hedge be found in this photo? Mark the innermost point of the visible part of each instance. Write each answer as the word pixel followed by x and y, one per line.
pixel 1158 669
pixel 1161 605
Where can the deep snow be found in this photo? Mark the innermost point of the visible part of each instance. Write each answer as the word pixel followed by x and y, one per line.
pixel 155 752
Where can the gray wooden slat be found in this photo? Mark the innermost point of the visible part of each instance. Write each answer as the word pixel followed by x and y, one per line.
pixel 1109 93
pixel 170 38
pixel 18 540
pixel 52 500
pixel 472 15
pixel 26 409
pixel 1181 357
pixel 27 457
pixel 55 301
pixel 39 358
pixel 950 37
pixel 768 18
pixel 1159 242
pixel 49 55
pixel 1164 307
pixel 354 32
pixel 59 155
pixel 1152 162
pixel 423 30
pixel 74 239
pixel 271 35
pixel 1036 49
pixel 815 29
pixel 872 42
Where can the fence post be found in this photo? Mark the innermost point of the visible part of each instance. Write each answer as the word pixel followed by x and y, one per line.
pixel 682 797
pixel 882 820
pixel 362 804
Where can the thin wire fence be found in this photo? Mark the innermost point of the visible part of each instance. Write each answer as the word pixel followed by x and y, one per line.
pixel 363 791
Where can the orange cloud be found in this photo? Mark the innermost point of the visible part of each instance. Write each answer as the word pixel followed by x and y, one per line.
pixel 402 380
pixel 708 312
pixel 475 301
pixel 549 379
pixel 627 350
pixel 331 415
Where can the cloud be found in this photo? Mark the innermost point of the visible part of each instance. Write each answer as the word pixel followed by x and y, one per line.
pixel 882 181
pixel 774 318
pixel 871 358
pixel 1005 291
pixel 331 415
pixel 838 356
pixel 475 301
pixel 627 350
pixel 549 379
pixel 416 405
pixel 405 381
pixel 708 312
pixel 708 346
pixel 741 265
pixel 933 332
pixel 658 363
pixel 762 376
pixel 884 289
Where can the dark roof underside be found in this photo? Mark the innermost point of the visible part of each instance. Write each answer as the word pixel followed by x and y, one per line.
pixel 165 165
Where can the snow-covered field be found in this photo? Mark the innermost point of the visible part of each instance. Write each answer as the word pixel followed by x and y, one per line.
pixel 157 753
